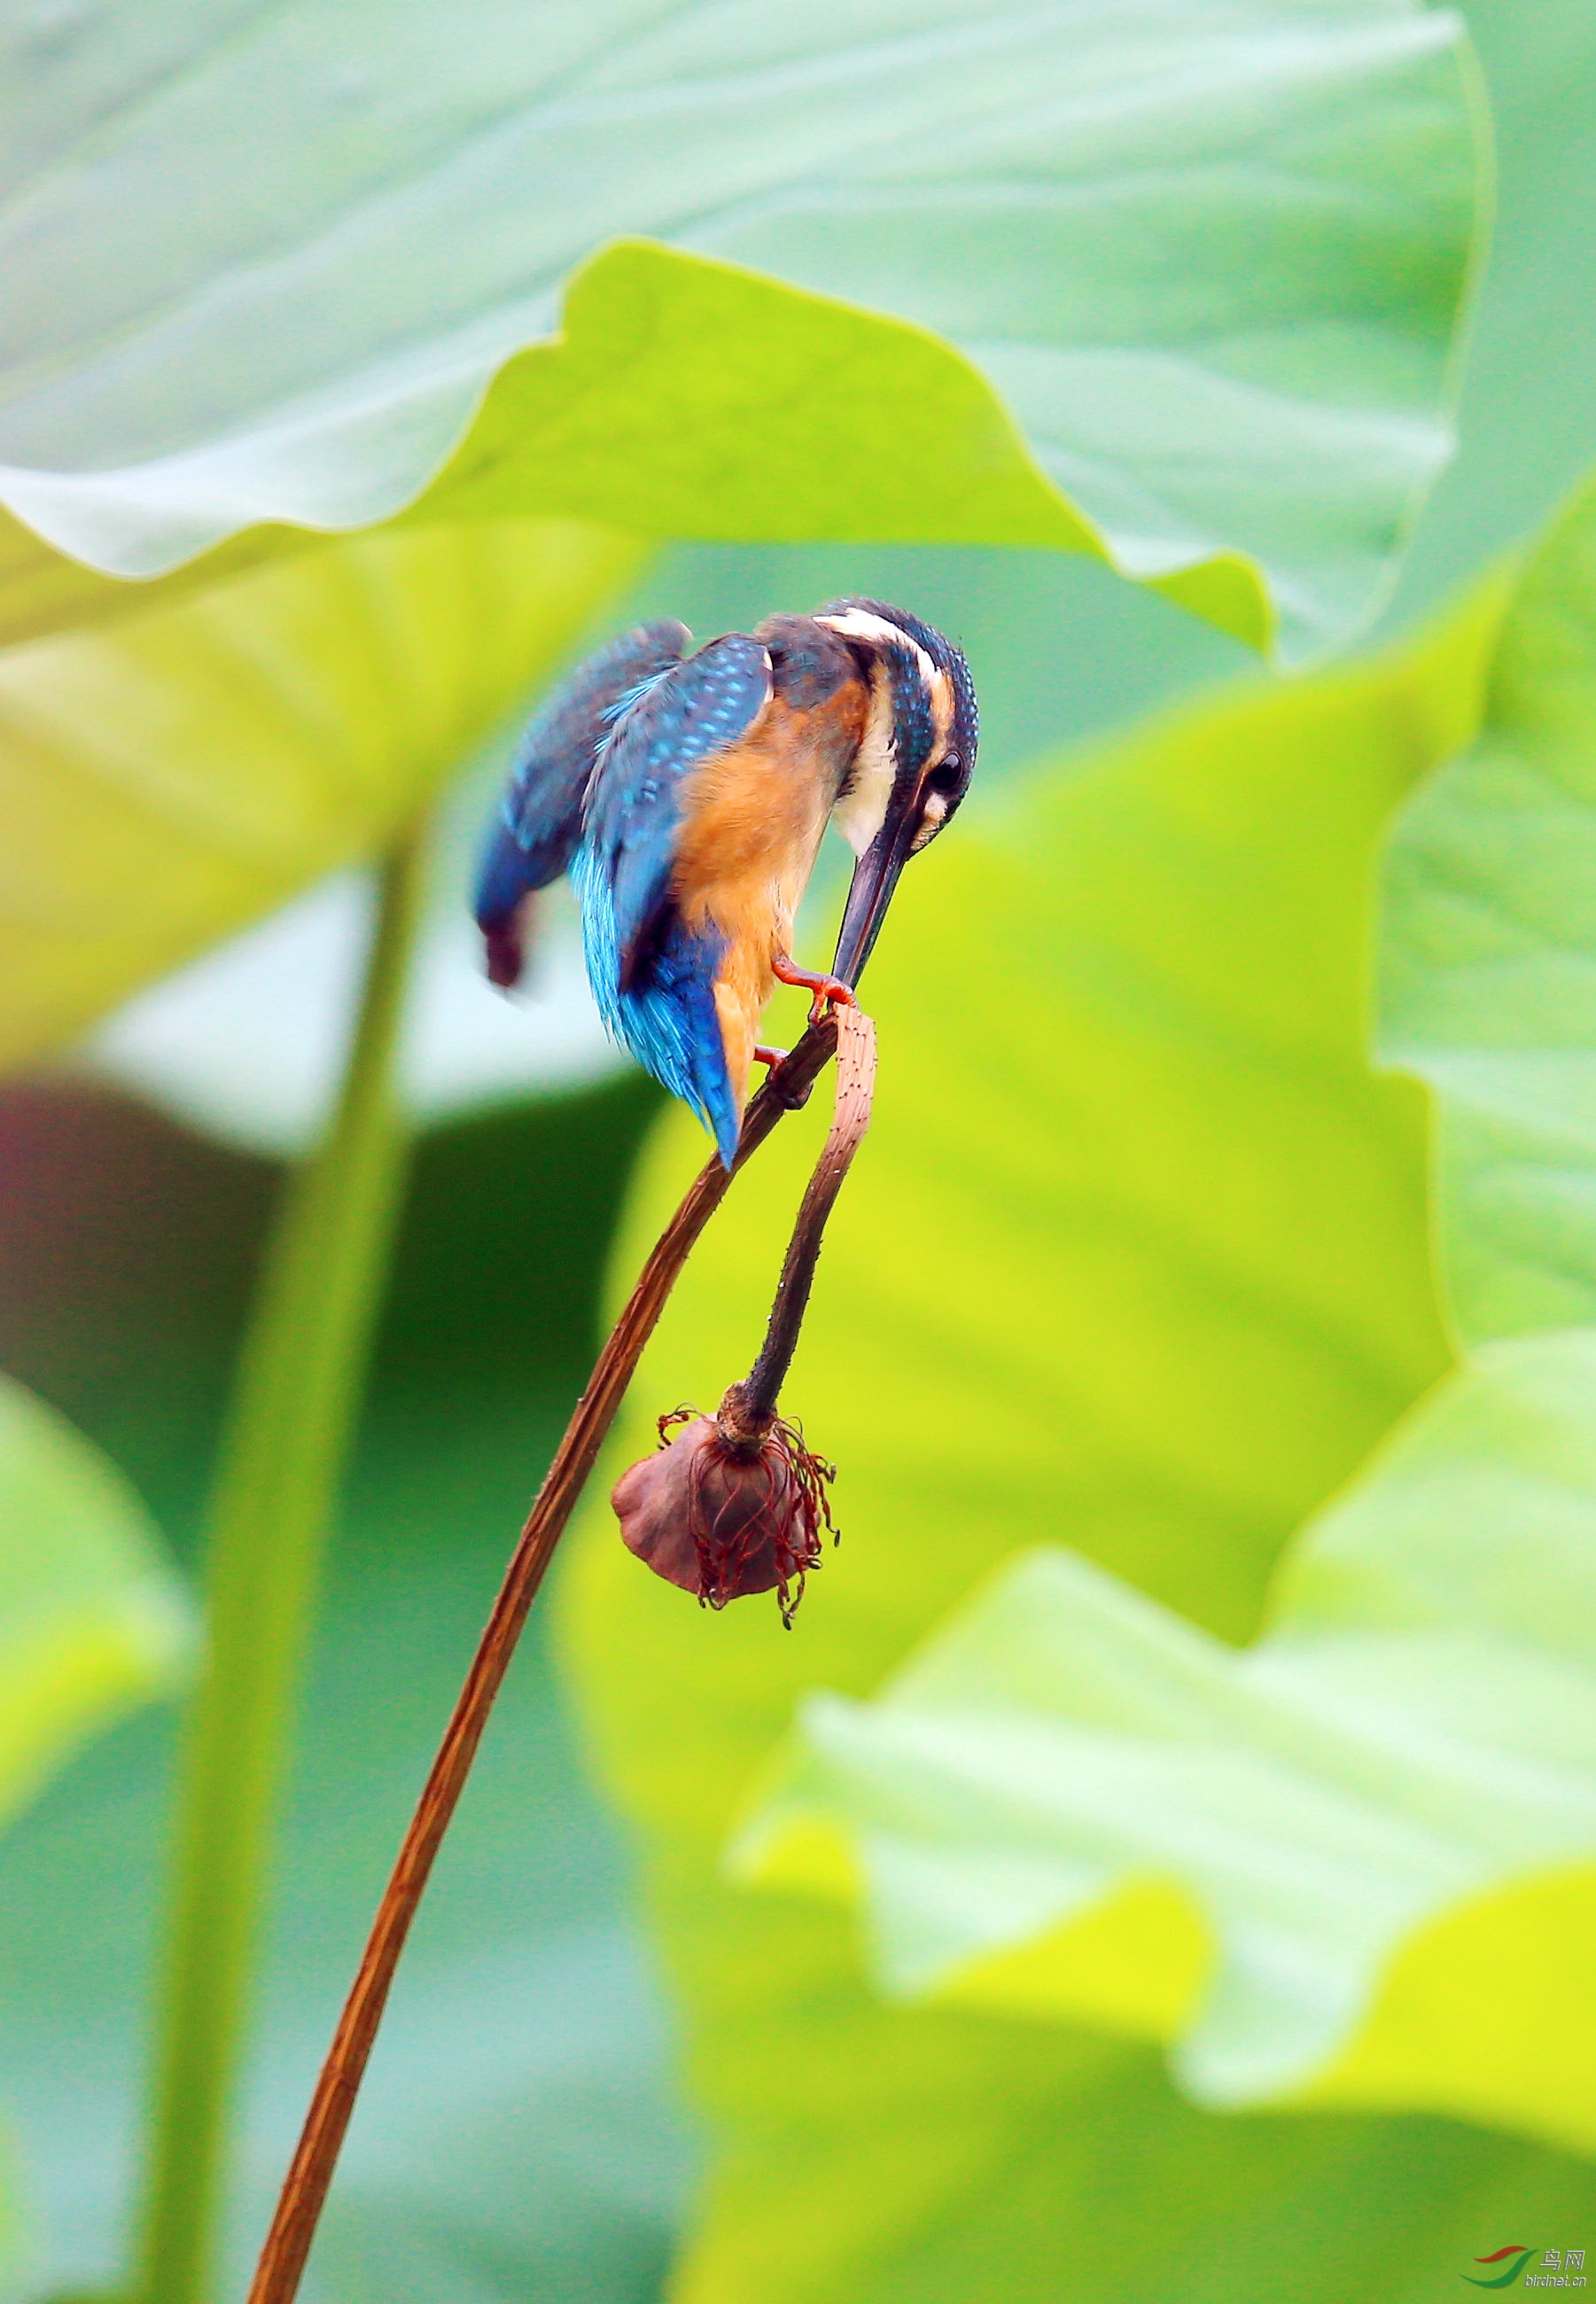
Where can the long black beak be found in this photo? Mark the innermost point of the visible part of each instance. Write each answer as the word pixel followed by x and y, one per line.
pixel 875 877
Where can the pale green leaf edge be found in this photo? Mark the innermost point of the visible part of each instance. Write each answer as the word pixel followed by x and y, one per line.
pixel 629 302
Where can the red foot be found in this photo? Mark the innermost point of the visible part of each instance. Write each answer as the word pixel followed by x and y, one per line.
pixel 828 989
pixel 775 1058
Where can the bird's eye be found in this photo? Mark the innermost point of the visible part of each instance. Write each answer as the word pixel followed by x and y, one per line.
pixel 948 777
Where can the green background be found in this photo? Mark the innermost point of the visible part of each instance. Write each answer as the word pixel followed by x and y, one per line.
pixel 526 2109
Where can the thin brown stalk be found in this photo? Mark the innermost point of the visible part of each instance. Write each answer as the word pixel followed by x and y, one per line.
pixel 758 1395
pixel 305 2188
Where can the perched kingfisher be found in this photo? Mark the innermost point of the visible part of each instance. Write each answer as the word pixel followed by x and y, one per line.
pixel 687 795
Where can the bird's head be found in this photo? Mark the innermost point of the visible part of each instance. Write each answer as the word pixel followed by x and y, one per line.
pixel 913 766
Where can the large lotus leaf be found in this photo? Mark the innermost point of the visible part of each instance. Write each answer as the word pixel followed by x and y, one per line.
pixel 1526 427
pixel 1490 984
pixel 261 266
pixel 171 775
pixel 1415 1734
pixel 1392 1797
pixel 1137 1247
pixel 92 1620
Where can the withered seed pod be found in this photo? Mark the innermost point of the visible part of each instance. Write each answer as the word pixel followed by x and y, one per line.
pixel 732 1505
pixel 736 1503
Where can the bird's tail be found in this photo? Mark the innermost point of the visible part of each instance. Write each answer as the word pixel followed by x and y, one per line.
pixel 502 905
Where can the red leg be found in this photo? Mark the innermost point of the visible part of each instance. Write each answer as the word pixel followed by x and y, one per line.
pixel 825 988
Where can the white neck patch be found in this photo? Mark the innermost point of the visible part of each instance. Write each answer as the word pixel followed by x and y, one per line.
pixel 862 812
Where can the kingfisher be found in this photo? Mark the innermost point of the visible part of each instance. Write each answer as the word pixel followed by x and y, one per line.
pixel 687 796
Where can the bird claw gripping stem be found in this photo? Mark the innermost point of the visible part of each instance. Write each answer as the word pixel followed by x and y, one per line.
pixel 828 991
pixel 735 1504
pixel 792 1100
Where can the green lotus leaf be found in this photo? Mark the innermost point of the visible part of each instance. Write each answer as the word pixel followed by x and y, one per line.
pixel 1392 1795
pixel 1137 1250
pixel 1489 981
pixel 263 267
pixel 338 333
pixel 172 774
pixel 1415 1732
pixel 92 1621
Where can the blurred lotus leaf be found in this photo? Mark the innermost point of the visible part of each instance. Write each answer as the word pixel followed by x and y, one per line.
pixel 92 1621
pixel 1490 963
pixel 1417 1727
pixel 1139 1250
pixel 1413 1745
pixel 1233 359
pixel 519 2139
pixel 263 266
pixel 176 774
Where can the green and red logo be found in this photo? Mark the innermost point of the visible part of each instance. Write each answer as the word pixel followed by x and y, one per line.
pixel 1521 2257
pixel 1559 2267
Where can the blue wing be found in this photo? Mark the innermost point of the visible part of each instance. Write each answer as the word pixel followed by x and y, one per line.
pixel 633 813
pixel 654 982
pixel 538 823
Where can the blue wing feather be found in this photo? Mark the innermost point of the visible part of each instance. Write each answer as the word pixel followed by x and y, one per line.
pixel 536 830
pixel 633 812
pixel 654 982
pixel 669 1020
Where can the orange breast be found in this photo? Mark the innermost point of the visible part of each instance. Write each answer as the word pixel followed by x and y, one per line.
pixel 752 818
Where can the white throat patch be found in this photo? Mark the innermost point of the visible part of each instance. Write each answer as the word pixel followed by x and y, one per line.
pixel 862 811
pixel 860 814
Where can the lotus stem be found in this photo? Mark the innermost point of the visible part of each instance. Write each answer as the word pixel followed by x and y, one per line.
pixel 305 2188
pixel 295 1398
